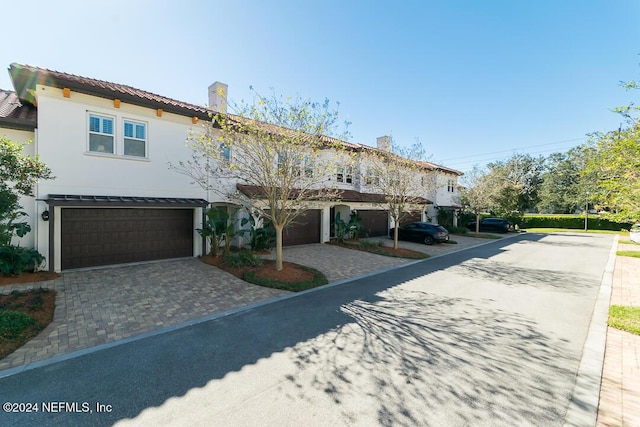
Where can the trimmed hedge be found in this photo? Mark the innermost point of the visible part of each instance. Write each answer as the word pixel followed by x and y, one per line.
pixel 575 222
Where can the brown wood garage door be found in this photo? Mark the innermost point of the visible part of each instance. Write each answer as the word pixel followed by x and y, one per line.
pixel 375 223
pixel 412 217
pixel 93 236
pixel 306 229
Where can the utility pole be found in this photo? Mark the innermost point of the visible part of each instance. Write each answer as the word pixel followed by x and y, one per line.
pixel 586 213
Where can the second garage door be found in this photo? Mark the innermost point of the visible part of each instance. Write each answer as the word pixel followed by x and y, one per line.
pixel 94 236
pixel 375 223
pixel 306 229
pixel 415 216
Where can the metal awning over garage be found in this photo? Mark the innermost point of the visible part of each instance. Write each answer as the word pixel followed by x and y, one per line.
pixel 123 201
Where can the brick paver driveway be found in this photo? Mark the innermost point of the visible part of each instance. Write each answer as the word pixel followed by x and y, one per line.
pixel 100 306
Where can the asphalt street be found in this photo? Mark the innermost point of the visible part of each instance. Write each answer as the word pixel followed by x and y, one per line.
pixel 491 335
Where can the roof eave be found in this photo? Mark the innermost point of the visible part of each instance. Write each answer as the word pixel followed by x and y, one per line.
pixel 17 124
pixel 25 79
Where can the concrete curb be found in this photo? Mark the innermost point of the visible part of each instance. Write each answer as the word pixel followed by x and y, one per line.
pixel 583 407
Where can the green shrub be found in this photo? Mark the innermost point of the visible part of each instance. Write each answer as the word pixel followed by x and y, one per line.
pixel 371 243
pixel 14 260
pixel 456 230
pixel 13 323
pixel 465 218
pixel 36 302
pixel 319 279
pixel 575 222
pixel 242 259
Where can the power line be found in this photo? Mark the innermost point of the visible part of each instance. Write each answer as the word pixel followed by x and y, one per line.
pixel 514 149
pixel 462 165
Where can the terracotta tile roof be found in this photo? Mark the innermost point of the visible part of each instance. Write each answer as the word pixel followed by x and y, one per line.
pixel 25 78
pixel 356 196
pixel 254 191
pixel 15 115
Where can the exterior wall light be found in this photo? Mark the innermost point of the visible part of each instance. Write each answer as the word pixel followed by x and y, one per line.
pixel 45 215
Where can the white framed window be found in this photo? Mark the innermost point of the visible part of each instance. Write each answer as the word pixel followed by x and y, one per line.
pixel 372 177
pixel 308 167
pixel 450 185
pixel 345 175
pixel 281 162
pixel 101 134
pixel 135 138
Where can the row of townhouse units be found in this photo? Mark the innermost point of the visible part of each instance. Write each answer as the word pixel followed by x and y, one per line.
pixel 114 198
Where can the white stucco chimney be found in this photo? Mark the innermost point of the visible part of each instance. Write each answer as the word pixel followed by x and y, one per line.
pixel 218 97
pixel 384 143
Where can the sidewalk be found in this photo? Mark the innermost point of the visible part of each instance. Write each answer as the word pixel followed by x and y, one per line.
pixel 620 388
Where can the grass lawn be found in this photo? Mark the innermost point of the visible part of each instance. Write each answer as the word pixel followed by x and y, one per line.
pixel 625 318
pixel 571 230
pixel 628 242
pixel 22 316
pixel 634 254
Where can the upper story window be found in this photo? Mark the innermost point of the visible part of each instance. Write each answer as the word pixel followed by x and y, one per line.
pixel 372 177
pixel 135 139
pixel 117 136
pixel 345 175
pixel 308 167
pixel 451 185
pixel 101 137
pixel 225 152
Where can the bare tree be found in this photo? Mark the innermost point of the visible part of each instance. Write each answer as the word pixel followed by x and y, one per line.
pixel 478 194
pixel 274 156
pixel 401 176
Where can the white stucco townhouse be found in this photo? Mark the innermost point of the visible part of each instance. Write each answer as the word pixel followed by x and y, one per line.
pixel 115 200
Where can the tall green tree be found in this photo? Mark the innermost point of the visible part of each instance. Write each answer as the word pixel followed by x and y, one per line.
pixel 515 184
pixel 565 184
pixel 19 174
pixel 615 166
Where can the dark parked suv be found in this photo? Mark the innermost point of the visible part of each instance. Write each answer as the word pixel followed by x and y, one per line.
pixel 422 232
pixel 496 225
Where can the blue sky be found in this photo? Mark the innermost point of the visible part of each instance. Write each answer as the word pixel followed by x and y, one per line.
pixel 474 81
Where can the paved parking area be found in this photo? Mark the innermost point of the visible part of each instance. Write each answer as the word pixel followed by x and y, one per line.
pixel 99 306
pixel 104 305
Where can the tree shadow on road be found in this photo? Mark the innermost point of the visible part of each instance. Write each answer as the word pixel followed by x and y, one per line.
pixel 513 275
pixel 422 359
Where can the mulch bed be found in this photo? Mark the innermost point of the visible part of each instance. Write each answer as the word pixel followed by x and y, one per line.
pixel 383 250
pixel 39 304
pixel 38 276
pixel 290 273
